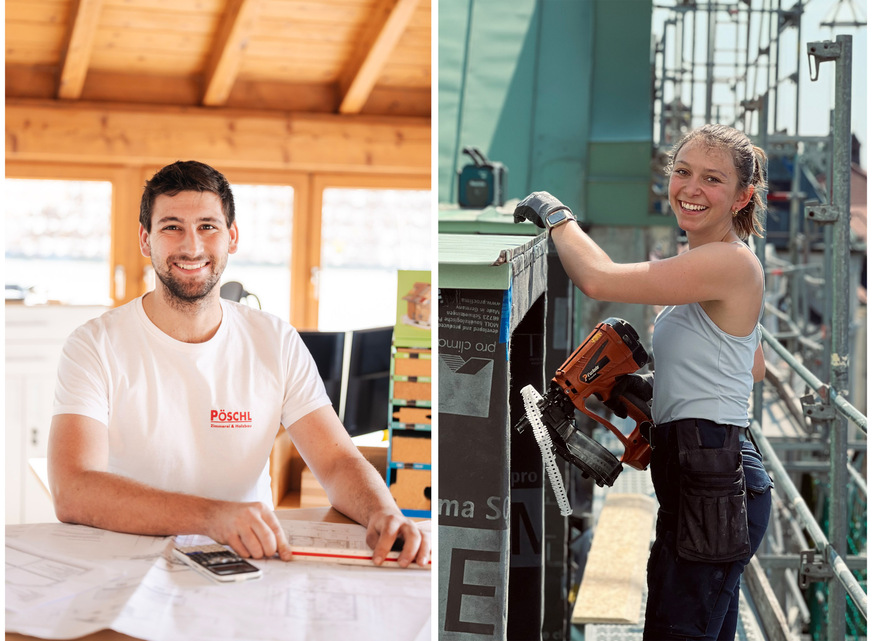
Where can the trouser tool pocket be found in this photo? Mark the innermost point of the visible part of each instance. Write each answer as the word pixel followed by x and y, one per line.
pixel 712 513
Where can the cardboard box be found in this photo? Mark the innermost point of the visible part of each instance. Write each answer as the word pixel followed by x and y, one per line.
pixel 412 489
pixel 412 391
pixel 421 367
pixel 311 492
pixel 411 448
pixel 286 469
pixel 413 415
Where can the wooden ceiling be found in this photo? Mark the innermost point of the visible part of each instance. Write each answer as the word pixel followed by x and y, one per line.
pixel 347 57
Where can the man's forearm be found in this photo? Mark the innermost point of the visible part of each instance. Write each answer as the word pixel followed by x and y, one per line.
pixel 355 488
pixel 114 502
pixel 84 492
pixel 358 491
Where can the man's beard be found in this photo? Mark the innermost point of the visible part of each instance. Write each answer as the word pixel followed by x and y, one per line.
pixel 186 294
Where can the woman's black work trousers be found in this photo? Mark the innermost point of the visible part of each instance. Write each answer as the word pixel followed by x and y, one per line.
pixel 689 598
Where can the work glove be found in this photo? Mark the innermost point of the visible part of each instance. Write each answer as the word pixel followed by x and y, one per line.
pixel 536 207
pixel 639 385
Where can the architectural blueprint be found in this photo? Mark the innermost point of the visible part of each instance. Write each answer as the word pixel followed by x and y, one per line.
pixel 144 593
pixel 34 579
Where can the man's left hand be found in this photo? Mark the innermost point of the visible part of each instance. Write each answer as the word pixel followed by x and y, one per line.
pixel 386 527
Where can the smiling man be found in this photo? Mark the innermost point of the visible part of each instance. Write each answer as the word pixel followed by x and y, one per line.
pixel 167 407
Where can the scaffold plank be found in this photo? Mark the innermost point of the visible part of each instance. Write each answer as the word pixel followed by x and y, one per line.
pixel 614 577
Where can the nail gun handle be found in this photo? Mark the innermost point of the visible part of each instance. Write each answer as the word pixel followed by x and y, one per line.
pixel 637 452
pixel 637 409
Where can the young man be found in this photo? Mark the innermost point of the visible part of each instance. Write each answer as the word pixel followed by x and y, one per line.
pixel 166 407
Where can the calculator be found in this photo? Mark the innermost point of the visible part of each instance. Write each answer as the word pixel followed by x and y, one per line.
pixel 218 562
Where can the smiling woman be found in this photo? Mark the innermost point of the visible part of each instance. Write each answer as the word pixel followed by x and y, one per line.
pixel 714 496
pixel 713 185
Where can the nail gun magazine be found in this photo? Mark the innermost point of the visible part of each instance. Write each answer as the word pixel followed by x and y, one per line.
pixel 610 351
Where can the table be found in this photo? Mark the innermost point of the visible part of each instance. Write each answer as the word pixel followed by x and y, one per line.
pixel 292 601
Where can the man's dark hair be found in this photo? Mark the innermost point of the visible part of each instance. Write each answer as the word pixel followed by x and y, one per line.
pixel 186 175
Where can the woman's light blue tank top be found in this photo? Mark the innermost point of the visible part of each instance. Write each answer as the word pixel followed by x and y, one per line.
pixel 700 370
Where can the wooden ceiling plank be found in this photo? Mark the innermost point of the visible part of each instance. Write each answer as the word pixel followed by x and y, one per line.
pixel 168 7
pixel 156 64
pixel 146 43
pixel 84 17
pixel 27 81
pixel 31 43
pixel 232 39
pixel 320 10
pixel 150 20
pixel 362 73
pixel 301 31
pixel 29 11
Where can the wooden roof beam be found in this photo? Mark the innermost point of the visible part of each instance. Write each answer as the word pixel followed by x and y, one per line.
pixel 85 15
pixel 231 41
pixel 96 133
pixel 359 78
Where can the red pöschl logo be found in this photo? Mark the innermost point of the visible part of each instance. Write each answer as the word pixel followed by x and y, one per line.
pixel 225 418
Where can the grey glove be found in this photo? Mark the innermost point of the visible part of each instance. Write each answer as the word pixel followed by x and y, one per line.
pixel 536 207
pixel 639 385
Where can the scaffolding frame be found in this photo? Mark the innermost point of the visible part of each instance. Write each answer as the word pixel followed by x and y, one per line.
pixel 746 67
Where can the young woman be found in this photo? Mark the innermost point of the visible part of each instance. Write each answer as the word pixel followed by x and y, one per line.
pixel 709 479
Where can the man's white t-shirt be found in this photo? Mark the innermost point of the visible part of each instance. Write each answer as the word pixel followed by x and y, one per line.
pixel 197 418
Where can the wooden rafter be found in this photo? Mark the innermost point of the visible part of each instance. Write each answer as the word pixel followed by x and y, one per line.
pixel 230 43
pixel 84 16
pixel 358 80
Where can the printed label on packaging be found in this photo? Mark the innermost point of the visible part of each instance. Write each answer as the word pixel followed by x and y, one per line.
pixel 472 583
pixel 469 341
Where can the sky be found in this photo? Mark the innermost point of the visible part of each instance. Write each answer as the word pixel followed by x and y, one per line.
pixel 813 111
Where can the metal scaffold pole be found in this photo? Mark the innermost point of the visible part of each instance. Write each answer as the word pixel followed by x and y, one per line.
pixel 760 243
pixel 837 214
pixel 841 323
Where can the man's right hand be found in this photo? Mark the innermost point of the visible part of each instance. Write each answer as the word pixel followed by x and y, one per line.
pixel 251 529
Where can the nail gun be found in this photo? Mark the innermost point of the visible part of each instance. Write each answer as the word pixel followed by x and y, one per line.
pixel 611 350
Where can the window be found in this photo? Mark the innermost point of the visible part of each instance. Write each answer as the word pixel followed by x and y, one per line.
pixel 58 241
pixel 366 236
pixel 262 264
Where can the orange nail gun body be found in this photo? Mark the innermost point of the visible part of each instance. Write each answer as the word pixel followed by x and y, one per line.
pixel 611 350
